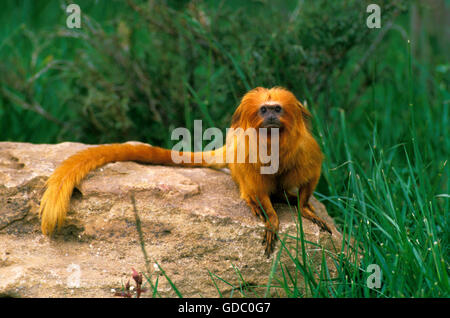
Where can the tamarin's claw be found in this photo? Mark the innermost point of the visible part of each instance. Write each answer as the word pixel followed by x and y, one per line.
pixel 269 240
pixel 309 213
pixel 324 226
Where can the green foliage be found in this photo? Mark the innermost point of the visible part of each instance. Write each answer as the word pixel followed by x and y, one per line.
pixel 138 69
pixel 148 64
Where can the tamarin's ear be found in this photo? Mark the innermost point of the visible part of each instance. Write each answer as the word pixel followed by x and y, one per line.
pixel 305 114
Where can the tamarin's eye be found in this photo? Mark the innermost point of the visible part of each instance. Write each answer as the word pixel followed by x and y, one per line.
pixel 263 109
pixel 278 109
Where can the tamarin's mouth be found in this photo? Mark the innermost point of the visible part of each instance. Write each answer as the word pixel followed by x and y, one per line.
pixel 268 126
pixel 271 124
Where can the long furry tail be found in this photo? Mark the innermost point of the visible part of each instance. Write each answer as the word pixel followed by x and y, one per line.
pixel 56 199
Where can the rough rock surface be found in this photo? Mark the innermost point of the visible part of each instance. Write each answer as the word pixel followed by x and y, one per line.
pixel 194 225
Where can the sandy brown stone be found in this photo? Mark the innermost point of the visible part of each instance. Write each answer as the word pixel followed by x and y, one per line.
pixel 193 222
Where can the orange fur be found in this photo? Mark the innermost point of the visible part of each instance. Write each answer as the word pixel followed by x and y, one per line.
pixel 300 161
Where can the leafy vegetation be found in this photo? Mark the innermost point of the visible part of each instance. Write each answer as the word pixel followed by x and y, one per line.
pixel 380 99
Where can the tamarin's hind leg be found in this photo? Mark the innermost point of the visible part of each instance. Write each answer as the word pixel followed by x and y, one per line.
pixel 255 208
pixel 307 210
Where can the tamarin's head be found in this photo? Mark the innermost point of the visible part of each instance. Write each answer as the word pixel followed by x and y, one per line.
pixel 271 108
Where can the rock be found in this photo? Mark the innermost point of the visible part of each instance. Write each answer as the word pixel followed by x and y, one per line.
pixel 193 224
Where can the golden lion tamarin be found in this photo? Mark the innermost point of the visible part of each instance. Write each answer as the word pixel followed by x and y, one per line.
pixel 296 175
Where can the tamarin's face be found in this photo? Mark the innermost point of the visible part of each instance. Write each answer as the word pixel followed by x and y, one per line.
pixel 271 113
pixel 271 108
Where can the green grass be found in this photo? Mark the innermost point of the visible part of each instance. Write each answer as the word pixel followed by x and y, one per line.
pixel 383 127
pixel 389 197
